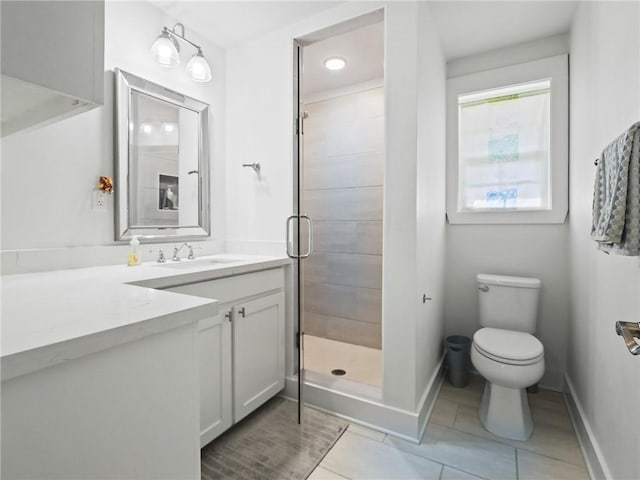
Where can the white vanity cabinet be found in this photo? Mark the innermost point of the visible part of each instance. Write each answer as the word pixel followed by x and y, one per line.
pixel 258 352
pixel 214 377
pixel 241 351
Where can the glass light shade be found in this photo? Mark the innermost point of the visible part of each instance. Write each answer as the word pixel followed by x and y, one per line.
pixel 198 68
pixel 165 51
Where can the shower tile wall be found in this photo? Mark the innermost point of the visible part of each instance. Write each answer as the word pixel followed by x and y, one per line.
pixel 343 171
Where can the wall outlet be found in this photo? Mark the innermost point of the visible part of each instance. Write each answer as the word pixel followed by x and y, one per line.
pixel 99 202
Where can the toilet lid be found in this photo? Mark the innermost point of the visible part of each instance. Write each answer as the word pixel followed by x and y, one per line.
pixel 508 345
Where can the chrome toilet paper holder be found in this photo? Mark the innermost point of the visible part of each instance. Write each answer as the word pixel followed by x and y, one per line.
pixel 630 332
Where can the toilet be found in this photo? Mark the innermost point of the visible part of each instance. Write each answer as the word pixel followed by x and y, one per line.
pixel 505 352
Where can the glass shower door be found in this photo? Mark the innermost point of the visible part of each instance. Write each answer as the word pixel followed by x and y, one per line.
pixel 299 230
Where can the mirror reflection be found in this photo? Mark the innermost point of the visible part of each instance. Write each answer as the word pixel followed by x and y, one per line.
pixel 164 176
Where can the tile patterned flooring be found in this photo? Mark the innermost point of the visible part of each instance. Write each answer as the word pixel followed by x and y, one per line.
pixel 457 447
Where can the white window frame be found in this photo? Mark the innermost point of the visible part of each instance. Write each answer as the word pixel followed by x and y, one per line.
pixel 557 69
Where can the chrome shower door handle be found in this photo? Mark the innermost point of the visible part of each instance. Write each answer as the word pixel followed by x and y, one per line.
pixel 309 237
pixel 288 228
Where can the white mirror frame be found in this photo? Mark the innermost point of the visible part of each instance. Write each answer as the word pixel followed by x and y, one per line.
pixel 125 84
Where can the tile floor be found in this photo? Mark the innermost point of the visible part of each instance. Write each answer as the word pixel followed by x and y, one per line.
pixel 362 364
pixel 456 446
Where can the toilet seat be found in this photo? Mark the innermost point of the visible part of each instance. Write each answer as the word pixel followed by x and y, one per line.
pixel 508 346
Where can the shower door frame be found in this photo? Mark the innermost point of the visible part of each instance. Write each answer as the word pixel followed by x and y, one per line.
pixel 293 246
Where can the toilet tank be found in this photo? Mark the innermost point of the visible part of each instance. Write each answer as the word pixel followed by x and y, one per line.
pixel 508 302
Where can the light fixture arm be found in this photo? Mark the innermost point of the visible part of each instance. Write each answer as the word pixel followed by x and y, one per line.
pixel 181 36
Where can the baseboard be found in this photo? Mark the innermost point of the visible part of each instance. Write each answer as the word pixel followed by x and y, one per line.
pixel 429 397
pixel 591 451
pixel 355 409
pixel 370 413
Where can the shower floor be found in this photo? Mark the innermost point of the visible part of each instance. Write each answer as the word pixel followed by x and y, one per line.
pixel 361 364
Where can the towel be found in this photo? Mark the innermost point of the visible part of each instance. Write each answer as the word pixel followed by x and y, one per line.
pixel 616 196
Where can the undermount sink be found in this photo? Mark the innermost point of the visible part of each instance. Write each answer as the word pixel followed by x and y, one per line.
pixel 197 263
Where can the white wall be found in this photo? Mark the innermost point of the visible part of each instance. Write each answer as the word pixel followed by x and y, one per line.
pixel 48 175
pixel 399 288
pixel 605 100
pixel 430 200
pixel 259 119
pixel 523 250
pixel 511 55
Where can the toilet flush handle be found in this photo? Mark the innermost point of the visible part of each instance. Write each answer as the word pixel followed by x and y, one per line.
pixel 483 288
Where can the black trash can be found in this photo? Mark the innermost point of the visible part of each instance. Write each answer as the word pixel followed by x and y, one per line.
pixel 459 363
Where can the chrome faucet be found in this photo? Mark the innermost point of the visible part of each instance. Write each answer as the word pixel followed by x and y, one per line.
pixel 176 250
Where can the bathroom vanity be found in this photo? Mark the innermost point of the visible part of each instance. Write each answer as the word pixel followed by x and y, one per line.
pixel 241 349
pixel 117 372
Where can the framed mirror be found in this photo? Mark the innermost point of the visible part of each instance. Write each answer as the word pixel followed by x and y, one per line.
pixel 162 162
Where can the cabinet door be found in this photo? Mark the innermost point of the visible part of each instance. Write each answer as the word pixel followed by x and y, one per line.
pixel 214 358
pixel 258 352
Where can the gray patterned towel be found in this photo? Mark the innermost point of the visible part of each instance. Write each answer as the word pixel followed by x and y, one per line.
pixel 616 196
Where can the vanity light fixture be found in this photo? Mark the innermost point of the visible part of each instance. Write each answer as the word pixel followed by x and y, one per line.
pixel 166 52
pixel 335 63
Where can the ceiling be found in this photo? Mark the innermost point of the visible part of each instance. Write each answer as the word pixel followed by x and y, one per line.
pixel 226 23
pixel 363 49
pixel 471 27
pixel 464 27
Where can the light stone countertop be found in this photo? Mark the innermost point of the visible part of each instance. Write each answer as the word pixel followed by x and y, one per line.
pixel 52 317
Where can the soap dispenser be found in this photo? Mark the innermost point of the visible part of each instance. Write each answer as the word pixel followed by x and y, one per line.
pixel 134 256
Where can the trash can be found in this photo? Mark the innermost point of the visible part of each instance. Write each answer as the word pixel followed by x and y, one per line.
pixel 458 351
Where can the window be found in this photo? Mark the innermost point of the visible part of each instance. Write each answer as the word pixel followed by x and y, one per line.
pixel 508 141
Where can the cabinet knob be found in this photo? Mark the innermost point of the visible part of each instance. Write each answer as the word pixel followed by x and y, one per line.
pixel 228 315
pixel 241 312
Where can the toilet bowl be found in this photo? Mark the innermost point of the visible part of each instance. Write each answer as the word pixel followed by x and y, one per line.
pixel 510 361
pixel 506 353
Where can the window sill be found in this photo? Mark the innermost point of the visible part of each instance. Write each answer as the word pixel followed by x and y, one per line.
pixel 523 217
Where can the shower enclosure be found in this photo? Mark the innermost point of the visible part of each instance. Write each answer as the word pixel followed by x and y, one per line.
pixel 342 181
pixel 339 212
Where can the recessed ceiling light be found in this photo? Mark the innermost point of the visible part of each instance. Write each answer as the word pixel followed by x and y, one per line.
pixel 335 63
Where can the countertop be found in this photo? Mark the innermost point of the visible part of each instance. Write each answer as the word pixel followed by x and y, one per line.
pixel 52 317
